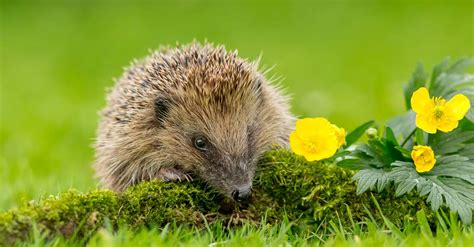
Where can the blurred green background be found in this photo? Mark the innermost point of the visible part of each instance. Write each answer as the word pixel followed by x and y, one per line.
pixel 343 60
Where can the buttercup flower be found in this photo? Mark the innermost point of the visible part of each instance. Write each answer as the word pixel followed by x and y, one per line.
pixel 435 113
pixel 316 138
pixel 424 159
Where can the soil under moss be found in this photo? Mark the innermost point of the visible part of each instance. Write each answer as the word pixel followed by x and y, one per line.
pixel 286 186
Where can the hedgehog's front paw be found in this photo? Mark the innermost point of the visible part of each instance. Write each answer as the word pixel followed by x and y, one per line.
pixel 172 174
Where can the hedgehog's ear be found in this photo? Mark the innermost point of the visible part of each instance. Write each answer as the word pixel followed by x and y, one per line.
pixel 161 109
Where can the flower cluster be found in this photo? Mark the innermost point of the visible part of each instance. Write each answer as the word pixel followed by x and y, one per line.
pixel 429 149
pixel 434 114
pixel 318 139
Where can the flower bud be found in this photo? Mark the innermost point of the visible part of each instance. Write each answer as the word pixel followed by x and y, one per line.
pixel 372 133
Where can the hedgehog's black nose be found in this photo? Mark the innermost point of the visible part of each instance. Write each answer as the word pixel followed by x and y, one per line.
pixel 242 194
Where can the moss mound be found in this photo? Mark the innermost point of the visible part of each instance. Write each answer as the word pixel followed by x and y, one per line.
pixel 285 186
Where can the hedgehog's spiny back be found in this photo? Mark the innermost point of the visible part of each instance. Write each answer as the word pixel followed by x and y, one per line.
pixel 197 67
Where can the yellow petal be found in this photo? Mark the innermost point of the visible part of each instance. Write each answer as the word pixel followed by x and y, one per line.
pixel 458 106
pixel 448 125
pixel 423 122
pixel 341 137
pixel 329 150
pixel 310 126
pixel 296 144
pixel 340 134
pixel 426 168
pixel 326 151
pixel 420 100
pixel 312 157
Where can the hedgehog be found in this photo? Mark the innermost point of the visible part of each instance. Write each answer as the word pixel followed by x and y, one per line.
pixel 194 111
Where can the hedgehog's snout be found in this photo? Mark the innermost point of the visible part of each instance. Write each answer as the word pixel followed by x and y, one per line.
pixel 232 177
pixel 241 182
pixel 242 193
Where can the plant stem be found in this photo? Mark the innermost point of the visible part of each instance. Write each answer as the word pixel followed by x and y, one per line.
pixel 408 138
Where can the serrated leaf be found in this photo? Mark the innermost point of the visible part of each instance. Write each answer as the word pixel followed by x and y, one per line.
pixel 443 184
pixel 439 69
pixel 403 126
pixel 402 174
pixel 460 186
pixel 368 178
pixel 449 143
pixel 447 84
pixel 468 151
pixel 456 201
pixel 461 65
pixel 383 181
pixel 454 166
pixel 435 197
pixel 354 135
pixel 418 80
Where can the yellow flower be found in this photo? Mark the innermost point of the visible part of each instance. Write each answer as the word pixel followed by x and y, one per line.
pixel 424 159
pixel 316 138
pixel 435 113
pixel 340 135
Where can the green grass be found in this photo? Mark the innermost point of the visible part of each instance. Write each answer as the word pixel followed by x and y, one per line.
pixel 281 234
pixel 343 60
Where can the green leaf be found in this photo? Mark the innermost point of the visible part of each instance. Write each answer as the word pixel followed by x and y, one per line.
pixel 447 82
pixel 449 143
pixel 439 69
pixel 466 125
pixel 418 80
pixel 385 151
pixel 383 181
pixel 339 153
pixel 405 152
pixel 449 183
pixel 353 136
pixel 454 166
pixel 461 65
pixel 402 126
pixel 455 200
pixel 390 135
pixel 353 163
pixel 420 137
pixel 368 179
pixel 468 151
pixel 404 176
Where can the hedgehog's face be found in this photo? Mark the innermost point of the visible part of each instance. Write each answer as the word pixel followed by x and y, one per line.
pixel 216 142
pixel 227 169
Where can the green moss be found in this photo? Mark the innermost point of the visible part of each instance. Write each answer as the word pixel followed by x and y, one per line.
pixel 285 186
pixel 321 192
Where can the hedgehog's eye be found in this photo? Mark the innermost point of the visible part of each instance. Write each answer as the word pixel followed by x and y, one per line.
pixel 200 143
